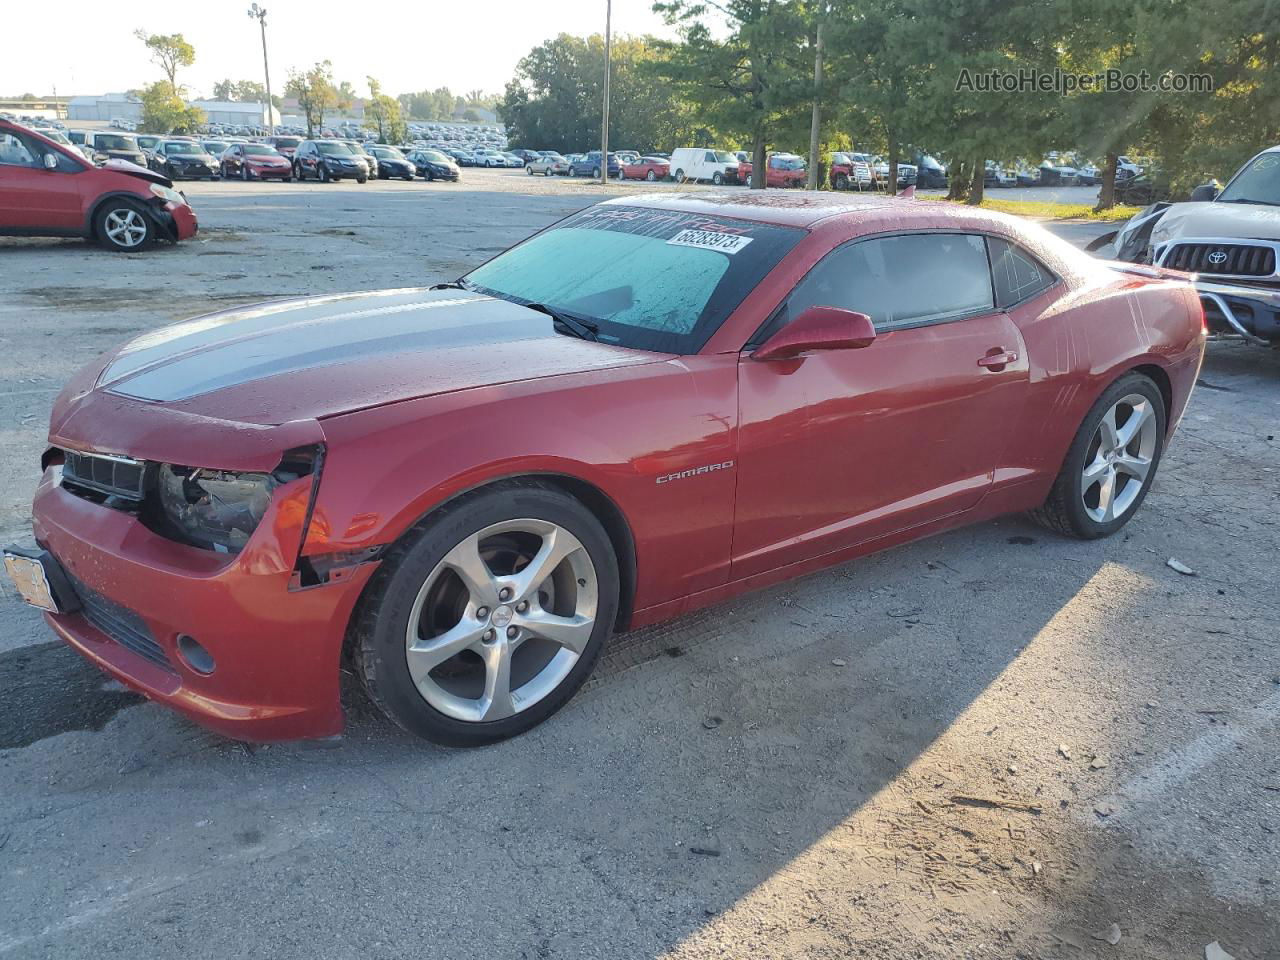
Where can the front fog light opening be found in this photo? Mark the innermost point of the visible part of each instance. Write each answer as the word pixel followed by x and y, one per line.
pixel 194 655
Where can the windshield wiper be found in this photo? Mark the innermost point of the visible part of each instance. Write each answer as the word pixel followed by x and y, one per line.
pixel 578 327
pixel 450 285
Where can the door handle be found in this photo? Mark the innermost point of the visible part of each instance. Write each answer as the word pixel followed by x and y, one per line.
pixel 994 360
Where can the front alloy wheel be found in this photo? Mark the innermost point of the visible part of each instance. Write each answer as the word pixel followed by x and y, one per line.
pixel 123 226
pixel 486 620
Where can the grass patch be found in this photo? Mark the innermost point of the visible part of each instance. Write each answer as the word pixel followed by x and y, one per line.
pixel 1050 211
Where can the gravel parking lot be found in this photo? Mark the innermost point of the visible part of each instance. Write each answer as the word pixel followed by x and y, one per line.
pixel 994 743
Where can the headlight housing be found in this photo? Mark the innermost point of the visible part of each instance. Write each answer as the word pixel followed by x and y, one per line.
pixel 167 193
pixel 215 509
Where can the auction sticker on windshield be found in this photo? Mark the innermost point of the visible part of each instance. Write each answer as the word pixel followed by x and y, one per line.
pixel 707 240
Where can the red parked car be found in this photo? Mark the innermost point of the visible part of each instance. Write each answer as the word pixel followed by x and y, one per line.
pixel 646 168
pixel 783 170
pixel 645 409
pixel 50 190
pixel 256 161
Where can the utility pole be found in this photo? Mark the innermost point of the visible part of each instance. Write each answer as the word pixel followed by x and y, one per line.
pixel 260 14
pixel 608 57
pixel 815 125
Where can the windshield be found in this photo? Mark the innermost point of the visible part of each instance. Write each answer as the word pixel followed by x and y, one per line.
pixel 724 156
pixel 435 156
pixel 110 141
pixel 387 153
pixel 1259 182
pixel 651 279
pixel 259 150
pixel 182 146
pixel 216 146
pixel 286 141
pixel 334 149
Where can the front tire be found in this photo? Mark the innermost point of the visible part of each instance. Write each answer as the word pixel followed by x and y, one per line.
pixel 486 618
pixel 716 179
pixel 1111 463
pixel 123 225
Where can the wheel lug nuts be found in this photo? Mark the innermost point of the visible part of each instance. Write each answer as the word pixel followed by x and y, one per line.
pixel 512 632
pixel 488 636
pixel 504 593
pixel 482 612
pixel 522 606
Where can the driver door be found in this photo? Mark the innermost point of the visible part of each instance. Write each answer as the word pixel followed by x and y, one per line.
pixel 842 447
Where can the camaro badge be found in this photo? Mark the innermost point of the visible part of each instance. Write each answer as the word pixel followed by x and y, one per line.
pixel 695 471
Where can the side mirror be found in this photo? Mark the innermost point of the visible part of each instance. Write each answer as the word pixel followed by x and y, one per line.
pixel 1204 192
pixel 51 161
pixel 819 328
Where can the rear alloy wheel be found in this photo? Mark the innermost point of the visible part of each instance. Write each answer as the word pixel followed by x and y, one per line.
pixel 679 177
pixel 487 620
pixel 1111 463
pixel 123 225
pixel 546 171
pixel 651 176
pixel 595 173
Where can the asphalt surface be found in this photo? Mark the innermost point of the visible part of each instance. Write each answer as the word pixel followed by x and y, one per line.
pixel 993 743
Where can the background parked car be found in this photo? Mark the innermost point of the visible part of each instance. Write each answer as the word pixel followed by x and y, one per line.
pixel 392 163
pixel 645 168
pixel 929 172
pixel 849 171
pixel 285 146
pixel 1143 189
pixel 547 163
pixel 906 172
pixel 434 165
pixel 184 160
pixel 698 163
pixel 327 160
pixel 116 146
pixel 255 161
pixel 49 189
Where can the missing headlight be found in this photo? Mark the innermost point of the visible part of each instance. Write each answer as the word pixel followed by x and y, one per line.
pixel 220 509
pixel 217 509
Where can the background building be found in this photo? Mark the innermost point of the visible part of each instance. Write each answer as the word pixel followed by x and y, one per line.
pixel 236 112
pixel 106 106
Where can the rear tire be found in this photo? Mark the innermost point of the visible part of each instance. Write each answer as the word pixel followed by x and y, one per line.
pixel 419 596
pixel 1093 495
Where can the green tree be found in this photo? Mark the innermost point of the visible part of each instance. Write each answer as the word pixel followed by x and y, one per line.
pixel 315 93
pixel 553 102
pixel 168 52
pixel 163 111
pixel 744 64
pixel 384 112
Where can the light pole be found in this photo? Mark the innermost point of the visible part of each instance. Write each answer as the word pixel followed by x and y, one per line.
pixel 260 14
pixel 608 56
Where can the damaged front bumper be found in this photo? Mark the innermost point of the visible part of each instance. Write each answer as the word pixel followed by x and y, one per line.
pixel 1249 312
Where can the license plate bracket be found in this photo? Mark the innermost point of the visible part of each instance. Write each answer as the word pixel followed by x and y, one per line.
pixel 40 580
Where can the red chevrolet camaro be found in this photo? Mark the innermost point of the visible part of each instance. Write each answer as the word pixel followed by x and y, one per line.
pixel 651 406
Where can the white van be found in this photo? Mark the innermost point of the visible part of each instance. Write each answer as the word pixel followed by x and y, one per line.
pixel 699 163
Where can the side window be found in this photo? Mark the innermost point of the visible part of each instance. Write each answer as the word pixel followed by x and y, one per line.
pixel 1018 275
pixel 899 281
pixel 15 152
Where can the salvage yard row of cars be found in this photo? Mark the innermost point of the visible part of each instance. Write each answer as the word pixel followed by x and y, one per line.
pixel 235 510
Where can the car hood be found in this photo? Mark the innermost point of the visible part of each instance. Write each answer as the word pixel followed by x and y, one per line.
pixel 133 170
pixel 308 359
pixel 1213 219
